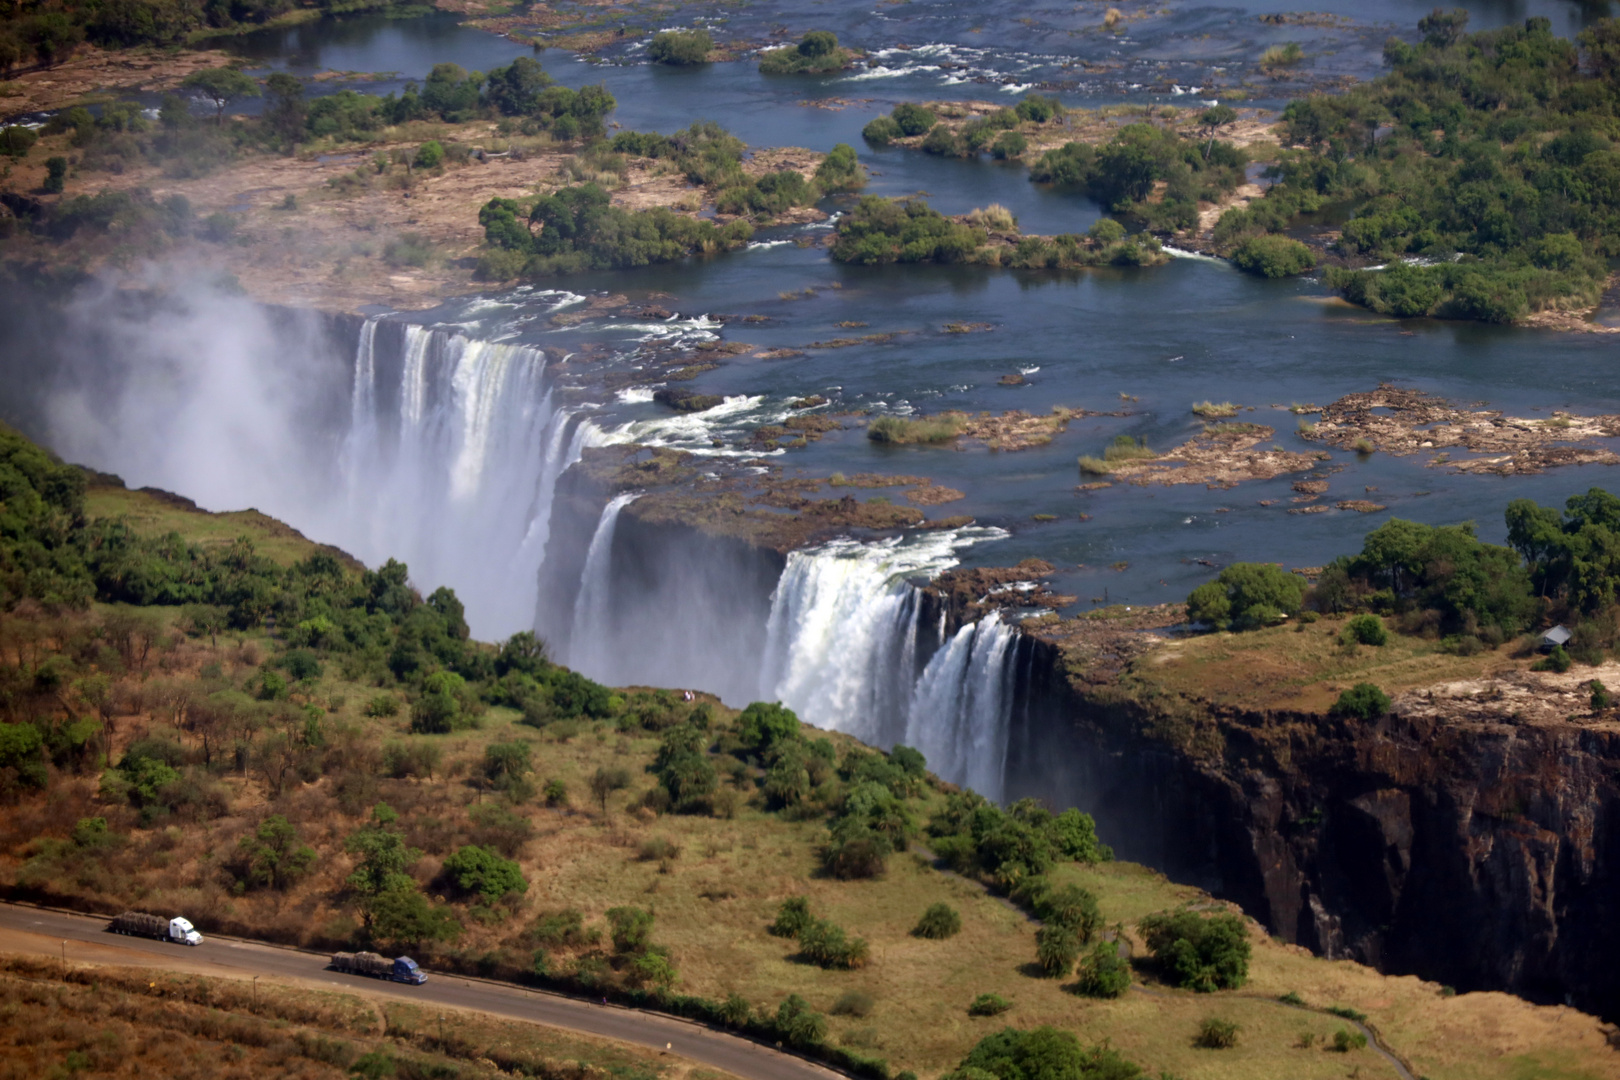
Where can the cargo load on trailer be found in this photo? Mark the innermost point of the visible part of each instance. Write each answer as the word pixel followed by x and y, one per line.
pixel 140 924
pixel 403 969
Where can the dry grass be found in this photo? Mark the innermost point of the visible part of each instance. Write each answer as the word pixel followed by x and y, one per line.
pixel 152 514
pixel 1214 410
pixel 103 1021
pixel 1302 666
pixel 900 431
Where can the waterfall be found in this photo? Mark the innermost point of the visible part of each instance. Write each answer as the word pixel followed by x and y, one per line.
pixel 959 710
pixel 451 459
pixel 588 644
pixel 842 651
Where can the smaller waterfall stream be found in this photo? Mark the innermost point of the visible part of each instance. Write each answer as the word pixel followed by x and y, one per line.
pixel 959 710
pixel 593 607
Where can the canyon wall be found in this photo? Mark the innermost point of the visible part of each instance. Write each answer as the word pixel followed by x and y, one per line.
pixel 1480 855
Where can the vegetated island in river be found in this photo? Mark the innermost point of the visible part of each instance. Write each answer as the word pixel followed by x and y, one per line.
pixel 366 773
pixel 1477 173
pixel 352 198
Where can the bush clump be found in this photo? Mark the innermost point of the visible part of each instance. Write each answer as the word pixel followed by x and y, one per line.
pixel 817 53
pixel 1246 596
pixel 1043 1053
pixel 989 1005
pixel 938 922
pixel 903 431
pixel 1198 952
pixel 1367 629
pixel 1363 701
pixel 1273 256
pixel 1216 1034
pixel 1104 973
pixel 681 48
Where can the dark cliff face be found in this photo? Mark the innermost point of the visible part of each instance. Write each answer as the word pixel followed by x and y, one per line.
pixel 1479 855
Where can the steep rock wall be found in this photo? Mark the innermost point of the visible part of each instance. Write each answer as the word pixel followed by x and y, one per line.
pixel 1480 855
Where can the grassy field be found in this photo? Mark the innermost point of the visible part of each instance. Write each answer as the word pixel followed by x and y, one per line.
pixel 714 882
pixel 107 1021
pixel 1305 666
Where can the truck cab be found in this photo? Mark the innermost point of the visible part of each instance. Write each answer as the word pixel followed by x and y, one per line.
pixel 181 930
pixel 406 971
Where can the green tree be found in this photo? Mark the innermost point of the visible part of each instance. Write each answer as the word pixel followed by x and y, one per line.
pixel 438 710
pixel 1057 947
pixel 1273 256
pixel 273 857
pixel 384 855
pixel 284 109
pixel 913 119
pixel 1104 973
pixel 1044 1053
pixel 402 915
pixel 1198 952
pixel 221 85
pixel 763 724
pixel 1212 120
pixel 515 89
pixel 1247 595
pixel 55 174
pixel 483 871
pixel 631 928
pixel 818 43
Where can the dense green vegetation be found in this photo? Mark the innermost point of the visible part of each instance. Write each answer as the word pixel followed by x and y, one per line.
pixel 879 230
pixel 578 228
pixel 1560 565
pixel 1487 159
pixel 995 134
pixel 681 48
pixel 1044 1053
pixel 817 53
pixel 1123 172
pixel 1197 951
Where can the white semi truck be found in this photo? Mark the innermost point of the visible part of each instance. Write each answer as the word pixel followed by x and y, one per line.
pixel 140 924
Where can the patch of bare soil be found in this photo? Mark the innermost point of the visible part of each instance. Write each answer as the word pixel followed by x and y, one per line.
pixel 1224 456
pixel 1099 644
pixel 93 71
pixel 1517 697
pixel 932 494
pixel 320 230
pixel 1403 422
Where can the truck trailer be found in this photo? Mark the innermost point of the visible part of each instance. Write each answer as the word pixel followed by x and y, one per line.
pixel 140 924
pixel 402 969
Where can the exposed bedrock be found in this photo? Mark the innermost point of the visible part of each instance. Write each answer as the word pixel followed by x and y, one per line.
pixel 1479 855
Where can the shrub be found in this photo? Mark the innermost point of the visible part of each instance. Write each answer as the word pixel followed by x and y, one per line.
pixel 881 131
pixel 1363 701
pixel 791 917
pixel 1009 144
pixel 1038 110
pixel 1199 953
pixel 1345 1040
pixel 16 141
pixel 840 170
pixel 1273 256
pixel 1213 410
pixel 1056 949
pixel 1601 698
pixel 824 943
pixel 1216 1034
pixel 272 857
pixel 1366 629
pixel 1044 1053
pixel 944 142
pixel 1070 907
pixel 764 724
pixel 816 53
pixel 989 1005
pixel 631 928
pixel 565 927
pixel 939 921
pixel 853 1003
pixel 797 1024
pixel 429 155
pixel 912 119
pixel 481 870
pixel 55 175
pixel 1104 973
pixel 1558 660
pixel 680 48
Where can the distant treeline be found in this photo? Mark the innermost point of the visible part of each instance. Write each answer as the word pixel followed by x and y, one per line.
pixel 1482 169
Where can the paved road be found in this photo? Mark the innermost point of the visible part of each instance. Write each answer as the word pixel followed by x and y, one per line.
pixel 233 956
